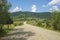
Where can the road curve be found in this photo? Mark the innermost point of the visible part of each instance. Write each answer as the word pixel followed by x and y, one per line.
pixel 29 32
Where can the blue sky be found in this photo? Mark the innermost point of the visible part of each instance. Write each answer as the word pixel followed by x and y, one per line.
pixel 34 5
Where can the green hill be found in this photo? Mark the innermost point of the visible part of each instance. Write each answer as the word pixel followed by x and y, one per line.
pixel 41 15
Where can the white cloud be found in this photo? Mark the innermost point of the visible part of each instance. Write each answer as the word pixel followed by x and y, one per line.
pixel 16 9
pixel 54 2
pixel 54 8
pixel 34 8
pixel 43 5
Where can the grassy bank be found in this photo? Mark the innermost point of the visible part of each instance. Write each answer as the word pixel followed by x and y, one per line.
pixel 42 23
pixel 6 28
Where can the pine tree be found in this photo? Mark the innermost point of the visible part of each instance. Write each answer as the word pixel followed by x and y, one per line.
pixel 4 12
pixel 55 20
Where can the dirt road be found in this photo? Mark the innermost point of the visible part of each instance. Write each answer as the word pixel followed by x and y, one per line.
pixel 29 32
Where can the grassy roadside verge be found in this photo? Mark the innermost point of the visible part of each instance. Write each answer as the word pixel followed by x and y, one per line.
pixel 43 25
pixel 6 29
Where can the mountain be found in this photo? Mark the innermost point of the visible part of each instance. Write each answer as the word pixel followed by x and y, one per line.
pixel 32 14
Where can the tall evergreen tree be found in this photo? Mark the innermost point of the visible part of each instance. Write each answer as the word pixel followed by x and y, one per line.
pixel 56 20
pixel 4 12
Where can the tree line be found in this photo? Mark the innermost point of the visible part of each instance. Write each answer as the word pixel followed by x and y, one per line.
pixel 5 18
pixel 55 20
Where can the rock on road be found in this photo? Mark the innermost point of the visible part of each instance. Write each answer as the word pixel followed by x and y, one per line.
pixel 29 32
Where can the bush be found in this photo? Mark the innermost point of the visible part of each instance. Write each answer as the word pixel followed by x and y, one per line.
pixel 20 23
pixel 39 23
pixel 17 23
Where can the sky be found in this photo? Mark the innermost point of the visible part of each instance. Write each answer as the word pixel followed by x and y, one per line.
pixel 34 5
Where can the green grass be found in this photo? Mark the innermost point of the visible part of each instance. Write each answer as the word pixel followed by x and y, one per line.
pixel 42 25
pixel 6 29
pixel 18 23
pixel 31 22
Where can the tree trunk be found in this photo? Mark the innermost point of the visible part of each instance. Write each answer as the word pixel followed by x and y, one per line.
pixel 1 27
pixel 8 26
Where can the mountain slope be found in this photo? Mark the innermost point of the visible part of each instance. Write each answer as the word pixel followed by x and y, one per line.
pixel 32 14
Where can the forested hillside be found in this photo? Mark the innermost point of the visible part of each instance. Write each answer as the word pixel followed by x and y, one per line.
pixel 32 14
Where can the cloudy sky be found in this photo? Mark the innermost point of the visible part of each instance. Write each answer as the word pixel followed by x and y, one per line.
pixel 34 5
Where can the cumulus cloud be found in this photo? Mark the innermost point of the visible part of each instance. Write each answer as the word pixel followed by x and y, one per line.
pixel 54 8
pixel 33 8
pixel 43 5
pixel 16 9
pixel 54 2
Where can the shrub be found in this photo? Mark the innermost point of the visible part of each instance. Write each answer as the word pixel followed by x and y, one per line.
pixel 39 23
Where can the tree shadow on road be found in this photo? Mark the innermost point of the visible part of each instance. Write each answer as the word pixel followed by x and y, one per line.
pixel 18 34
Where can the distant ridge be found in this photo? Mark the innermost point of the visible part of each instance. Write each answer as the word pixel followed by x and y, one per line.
pixel 41 15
